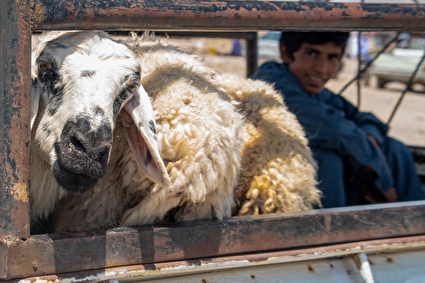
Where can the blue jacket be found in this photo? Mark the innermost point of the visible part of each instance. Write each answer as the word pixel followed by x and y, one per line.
pixel 331 123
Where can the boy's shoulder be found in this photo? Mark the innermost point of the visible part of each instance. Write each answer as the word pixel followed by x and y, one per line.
pixel 268 67
pixel 272 72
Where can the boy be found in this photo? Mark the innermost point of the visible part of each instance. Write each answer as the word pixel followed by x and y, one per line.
pixel 344 141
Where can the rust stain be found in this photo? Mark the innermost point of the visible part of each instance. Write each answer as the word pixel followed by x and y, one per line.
pixel 356 260
pixel 90 16
pixel 132 14
pixel 15 138
pixel 328 222
pixel 71 8
pixel 19 192
pixel 36 14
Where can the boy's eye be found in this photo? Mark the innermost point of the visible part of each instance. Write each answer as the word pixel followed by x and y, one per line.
pixel 334 58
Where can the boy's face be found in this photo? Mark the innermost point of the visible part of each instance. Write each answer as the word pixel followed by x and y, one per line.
pixel 313 64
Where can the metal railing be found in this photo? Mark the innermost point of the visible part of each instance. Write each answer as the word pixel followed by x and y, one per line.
pixel 23 255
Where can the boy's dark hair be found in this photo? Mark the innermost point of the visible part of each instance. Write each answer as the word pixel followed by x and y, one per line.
pixel 294 39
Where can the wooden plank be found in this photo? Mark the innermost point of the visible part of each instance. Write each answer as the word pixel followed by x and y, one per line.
pixel 51 254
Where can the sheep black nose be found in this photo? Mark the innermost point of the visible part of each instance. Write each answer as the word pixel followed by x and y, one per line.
pixel 92 145
pixel 82 150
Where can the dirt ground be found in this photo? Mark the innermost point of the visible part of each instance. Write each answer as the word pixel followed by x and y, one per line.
pixel 408 124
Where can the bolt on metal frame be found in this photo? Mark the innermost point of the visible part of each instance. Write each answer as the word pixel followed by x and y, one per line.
pixel 24 255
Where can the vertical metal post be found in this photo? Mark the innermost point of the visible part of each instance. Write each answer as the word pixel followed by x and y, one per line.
pixel 251 55
pixel 15 48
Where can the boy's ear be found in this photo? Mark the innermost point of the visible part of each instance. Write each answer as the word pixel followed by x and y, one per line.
pixel 284 54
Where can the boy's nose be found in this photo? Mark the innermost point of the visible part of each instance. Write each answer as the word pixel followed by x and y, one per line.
pixel 321 66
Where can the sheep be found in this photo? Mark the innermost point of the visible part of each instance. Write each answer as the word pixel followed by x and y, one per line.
pixel 277 168
pixel 79 88
pixel 103 156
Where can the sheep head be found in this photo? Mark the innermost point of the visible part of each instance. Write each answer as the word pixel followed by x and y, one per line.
pixel 81 83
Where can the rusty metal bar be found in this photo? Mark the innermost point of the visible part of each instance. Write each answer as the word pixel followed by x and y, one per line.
pixel 52 254
pixel 160 270
pixel 241 35
pixel 251 56
pixel 211 15
pixel 15 47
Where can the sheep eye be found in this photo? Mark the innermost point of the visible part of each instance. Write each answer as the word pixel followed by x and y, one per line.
pixel 44 66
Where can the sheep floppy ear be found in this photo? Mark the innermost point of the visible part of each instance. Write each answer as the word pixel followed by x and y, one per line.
pixel 35 96
pixel 138 118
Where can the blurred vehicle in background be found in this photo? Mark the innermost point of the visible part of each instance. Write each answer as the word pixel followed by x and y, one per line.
pixel 399 65
pixel 268 46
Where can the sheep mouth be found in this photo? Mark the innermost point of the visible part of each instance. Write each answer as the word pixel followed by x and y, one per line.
pixel 72 181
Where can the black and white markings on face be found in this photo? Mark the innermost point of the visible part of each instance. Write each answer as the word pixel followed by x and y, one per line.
pixel 127 90
pixel 34 82
pixel 56 45
pixel 54 92
pixel 88 73
pixel 56 96
pixel 148 158
pixel 46 130
pixel 122 97
pixel 48 75
pixel 98 111
pixel 116 107
pixel 152 127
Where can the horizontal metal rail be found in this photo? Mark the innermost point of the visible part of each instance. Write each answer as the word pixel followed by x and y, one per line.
pixel 54 253
pixel 159 270
pixel 210 15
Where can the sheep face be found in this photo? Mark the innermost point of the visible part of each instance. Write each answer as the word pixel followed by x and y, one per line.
pixel 82 82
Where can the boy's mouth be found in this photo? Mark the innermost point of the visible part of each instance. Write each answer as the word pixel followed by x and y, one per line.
pixel 315 80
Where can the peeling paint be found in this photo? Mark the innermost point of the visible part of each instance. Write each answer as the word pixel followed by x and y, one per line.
pixel 36 14
pixel 14 120
pixel 238 15
pixel 249 262
pixel 19 190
